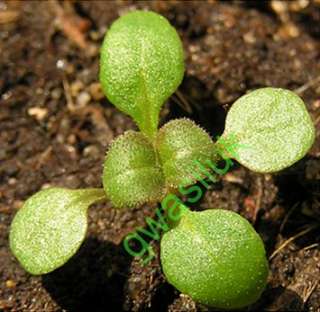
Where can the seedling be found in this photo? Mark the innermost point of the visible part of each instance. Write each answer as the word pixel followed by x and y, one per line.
pixel 214 256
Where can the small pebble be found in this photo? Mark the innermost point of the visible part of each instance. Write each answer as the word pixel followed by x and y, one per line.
pixel 39 91
pixel 316 103
pixel 65 66
pixel 72 182
pixel 249 37
pixel 61 64
pixel 11 284
pixel 65 125
pixel 93 50
pixel 83 99
pixel 12 181
pixel 38 112
pixel 46 186
pixel 91 151
pixel 69 69
pixel 72 151
pixel 17 204
pixel 96 91
pixel 6 96
pixel 72 139
pixel 279 7
pixel 91 179
pixel 56 93
pixel 299 5
pixel 76 87
pixel 60 138
pixel 94 35
pixel 85 76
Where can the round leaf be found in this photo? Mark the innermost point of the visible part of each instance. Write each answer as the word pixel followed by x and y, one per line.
pixel 132 175
pixel 273 129
pixel 216 258
pixel 182 147
pixel 141 66
pixel 50 227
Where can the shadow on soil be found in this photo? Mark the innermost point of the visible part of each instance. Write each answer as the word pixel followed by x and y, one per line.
pixel 93 280
pixel 282 300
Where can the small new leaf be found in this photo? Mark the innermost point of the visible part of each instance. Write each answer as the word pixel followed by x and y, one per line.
pixel 132 174
pixel 216 258
pixel 183 147
pixel 50 227
pixel 141 66
pixel 274 128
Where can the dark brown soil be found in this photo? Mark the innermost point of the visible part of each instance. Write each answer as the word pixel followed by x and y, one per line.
pixel 55 127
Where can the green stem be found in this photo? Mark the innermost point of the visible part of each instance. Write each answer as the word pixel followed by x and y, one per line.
pixel 173 222
pixel 92 195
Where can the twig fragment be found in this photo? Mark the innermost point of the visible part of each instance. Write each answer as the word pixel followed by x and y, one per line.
pixel 291 239
pixel 307 85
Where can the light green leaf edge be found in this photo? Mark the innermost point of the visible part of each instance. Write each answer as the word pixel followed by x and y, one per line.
pixel 216 257
pixel 141 65
pixel 132 174
pixel 50 227
pixel 182 145
pixel 273 128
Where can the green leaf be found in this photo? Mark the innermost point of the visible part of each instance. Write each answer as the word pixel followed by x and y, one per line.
pixel 182 146
pixel 141 66
pixel 132 174
pixel 50 227
pixel 216 258
pixel 273 128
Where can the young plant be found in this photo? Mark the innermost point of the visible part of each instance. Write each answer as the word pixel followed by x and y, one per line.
pixel 214 256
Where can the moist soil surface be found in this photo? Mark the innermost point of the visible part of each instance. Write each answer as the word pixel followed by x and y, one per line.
pixel 55 128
